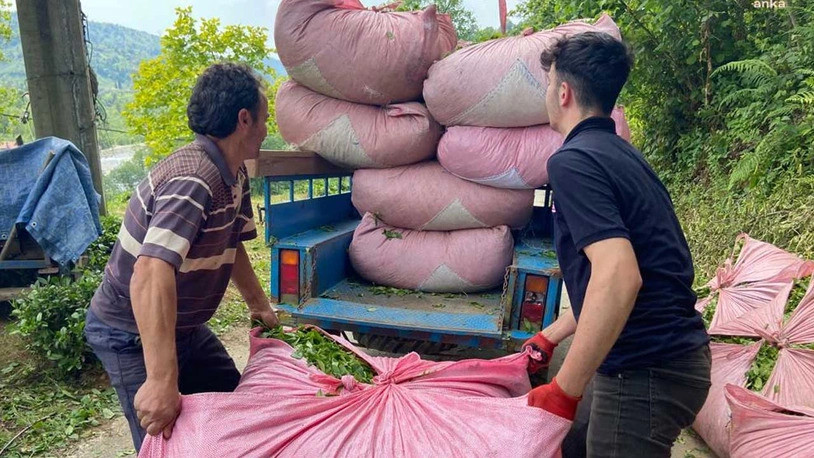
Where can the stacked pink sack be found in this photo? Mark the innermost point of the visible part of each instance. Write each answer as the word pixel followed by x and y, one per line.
pixel 358 76
pixel 752 295
pixel 491 97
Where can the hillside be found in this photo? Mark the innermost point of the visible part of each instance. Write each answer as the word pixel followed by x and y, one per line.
pixel 115 53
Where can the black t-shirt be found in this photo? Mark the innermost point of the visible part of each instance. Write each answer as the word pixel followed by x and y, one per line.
pixel 604 188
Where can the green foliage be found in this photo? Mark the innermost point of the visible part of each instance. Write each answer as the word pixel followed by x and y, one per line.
pixel 761 368
pixel 99 251
pixel 51 317
pixel 116 51
pixel 712 217
pixel 13 104
pixel 55 410
pixel 709 312
pixel 390 291
pixel 5 22
pixel 464 20
pixel 718 89
pixel 111 129
pixel 798 291
pixel 390 234
pixel 126 177
pixel 486 34
pixel 163 84
pixel 733 340
pixel 322 352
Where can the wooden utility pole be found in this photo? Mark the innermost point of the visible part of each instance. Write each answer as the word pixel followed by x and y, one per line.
pixel 58 76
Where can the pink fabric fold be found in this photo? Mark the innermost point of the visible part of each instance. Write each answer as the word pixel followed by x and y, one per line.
pixel 413 408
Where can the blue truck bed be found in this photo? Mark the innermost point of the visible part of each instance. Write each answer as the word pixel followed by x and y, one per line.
pixel 311 214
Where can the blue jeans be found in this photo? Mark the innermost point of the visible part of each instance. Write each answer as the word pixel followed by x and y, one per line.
pixel 203 364
pixel 640 412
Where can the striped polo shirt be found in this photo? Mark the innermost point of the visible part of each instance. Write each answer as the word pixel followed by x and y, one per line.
pixel 191 212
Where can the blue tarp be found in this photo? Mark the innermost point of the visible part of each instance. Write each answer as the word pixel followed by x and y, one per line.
pixel 56 204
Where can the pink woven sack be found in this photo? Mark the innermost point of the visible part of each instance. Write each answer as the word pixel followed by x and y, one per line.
pixel 462 261
pixel 512 158
pixel 499 83
pixel 762 428
pixel 426 197
pixel 743 310
pixel 413 408
pixel 342 50
pixel 353 135
pixel 757 276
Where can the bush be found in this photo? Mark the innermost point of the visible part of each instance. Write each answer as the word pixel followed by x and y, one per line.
pixel 125 177
pixel 712 216
pixel 51 317
pixel 99 251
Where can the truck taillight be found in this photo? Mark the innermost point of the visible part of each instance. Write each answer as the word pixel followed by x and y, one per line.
pixel 290 276
pixel 534 298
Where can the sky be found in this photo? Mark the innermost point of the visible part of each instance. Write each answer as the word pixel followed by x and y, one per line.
pixel 154 16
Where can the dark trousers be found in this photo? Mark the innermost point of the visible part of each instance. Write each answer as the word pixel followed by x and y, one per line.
pixel 203 364
pixel 640 412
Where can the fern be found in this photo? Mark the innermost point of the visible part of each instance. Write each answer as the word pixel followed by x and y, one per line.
pixel 752 164
pixel 802 98
pixel 746 95
pixel 754 72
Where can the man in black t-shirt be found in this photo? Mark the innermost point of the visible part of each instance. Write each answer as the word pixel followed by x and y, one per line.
pixel 637 337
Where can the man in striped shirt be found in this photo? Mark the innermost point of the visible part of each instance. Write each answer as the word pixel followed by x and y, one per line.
pixel 180 243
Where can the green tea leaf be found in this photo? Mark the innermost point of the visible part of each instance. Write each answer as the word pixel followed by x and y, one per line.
pixel 796 295
pixel 322 352
pixel 762 367
pixel 392 234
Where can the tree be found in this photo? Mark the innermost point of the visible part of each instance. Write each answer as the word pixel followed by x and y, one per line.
pixel 462 18
pixel 164 84
pixel 12 100
pixel 5 22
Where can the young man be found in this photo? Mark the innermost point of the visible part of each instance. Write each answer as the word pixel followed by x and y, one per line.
pixel 626 265
pixel 180 242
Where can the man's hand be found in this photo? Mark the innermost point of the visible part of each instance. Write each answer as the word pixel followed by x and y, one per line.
pixel 245 279
pixel 267 315
pixel 546 348
pixel 157 406
pixel 553 399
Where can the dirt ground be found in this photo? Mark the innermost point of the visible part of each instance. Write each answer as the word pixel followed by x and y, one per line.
pixel 113 439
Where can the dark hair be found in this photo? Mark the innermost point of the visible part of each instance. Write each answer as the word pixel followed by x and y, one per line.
pixel 595 64
pixel 220 93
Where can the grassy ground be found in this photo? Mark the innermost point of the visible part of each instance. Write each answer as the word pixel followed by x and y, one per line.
pixel 712 216
pixel 41 414
pixel 49 411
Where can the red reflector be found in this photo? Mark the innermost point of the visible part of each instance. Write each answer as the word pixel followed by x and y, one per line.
pixel 533 311
pixel 289 279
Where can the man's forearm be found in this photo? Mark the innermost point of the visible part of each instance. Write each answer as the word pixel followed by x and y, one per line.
pixel 246 280
pixel 563 327
pixel 154 299
pixel 608 302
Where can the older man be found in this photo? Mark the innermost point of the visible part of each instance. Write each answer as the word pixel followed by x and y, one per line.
pixel 180 243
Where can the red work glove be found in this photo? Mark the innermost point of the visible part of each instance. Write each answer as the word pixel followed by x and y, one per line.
pixel 553 399
pixel 545 347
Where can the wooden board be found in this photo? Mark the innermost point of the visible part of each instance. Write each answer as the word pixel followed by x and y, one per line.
pixel 283 163
pixel 9 294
